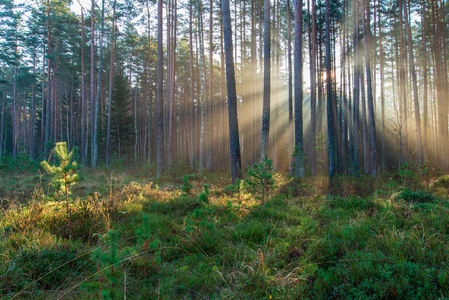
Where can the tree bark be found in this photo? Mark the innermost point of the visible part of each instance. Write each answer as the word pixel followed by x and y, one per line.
pixel 236 167
pixel 97 98
pixel 330 121
pixel 266 81
pixel 373 140
pixel 299 145
pixel 159 94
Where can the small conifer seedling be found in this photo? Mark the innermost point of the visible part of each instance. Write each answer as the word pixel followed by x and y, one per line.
pixel 64 175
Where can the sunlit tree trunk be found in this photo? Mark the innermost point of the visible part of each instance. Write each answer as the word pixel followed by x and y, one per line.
pixel 14 113
pixel 382 92
pixel 192 90
pixel 266 81
pixel 111 81
pixel 356 93
pixel 202 81
pixel 299 146
pixel 414 83
pixel 404 114
pixel 97 99
pixel 92 80
pixel 425 91
pixel 372 125
pixel 330 121
pixel 290 91
pixel 150 92
pixel 83 98
pixel 33 109
pixel 210 130
pixel 254 82
pixel 236 167
pixel 159 94
pixel 313 95
pixel 47 105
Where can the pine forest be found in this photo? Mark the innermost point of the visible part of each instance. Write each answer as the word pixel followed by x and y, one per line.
pixel 224 149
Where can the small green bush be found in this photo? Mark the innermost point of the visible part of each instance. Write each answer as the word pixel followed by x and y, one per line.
pixel 410 196
pixel 261 178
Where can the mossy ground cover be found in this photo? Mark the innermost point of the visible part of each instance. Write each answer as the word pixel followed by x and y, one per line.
pixel 132 234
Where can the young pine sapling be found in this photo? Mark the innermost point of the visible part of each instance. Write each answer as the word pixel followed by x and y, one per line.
pixel 64 175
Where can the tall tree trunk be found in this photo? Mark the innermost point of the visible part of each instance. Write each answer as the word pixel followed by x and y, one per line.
pixel 97 99
pixel 402 85
pixel 382 91
pixel 425 91
pixel 202 81
pixel 414 83
pixel 373 141
pixel 33 109
pixel 313 90
pixel 159 94
pixel 330 121
pixel 14 114
pixel 83 98
pixel 266 81
pixel 48 106
pixel 236 166
pixel 92 80
pixel 111 87
pixel 299 145
pixel 210 130
pixel 290 91
pixel 193 149
pixel 356 92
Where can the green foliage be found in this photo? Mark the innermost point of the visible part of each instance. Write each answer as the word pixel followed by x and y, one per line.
pixel 187 186
pixel 304 246
pixel 410 196
pixel 261 178
pixel 204 195
pixel 409 175
pixel 21 164
pixel 64 175
pixel 109 261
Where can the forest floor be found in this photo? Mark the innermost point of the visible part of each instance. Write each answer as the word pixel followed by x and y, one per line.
pixel 131 234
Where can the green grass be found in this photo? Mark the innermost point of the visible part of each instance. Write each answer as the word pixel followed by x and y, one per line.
pixel 143 237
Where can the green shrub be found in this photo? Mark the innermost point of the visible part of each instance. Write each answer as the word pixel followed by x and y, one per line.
pixel 261 178
pixel 187 186
pixel 420 197
pixel 204 195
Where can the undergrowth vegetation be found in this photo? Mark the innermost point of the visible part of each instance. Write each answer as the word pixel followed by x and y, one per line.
pixel 199 237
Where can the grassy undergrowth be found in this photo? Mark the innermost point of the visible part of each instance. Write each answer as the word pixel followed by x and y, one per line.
pixel 133 235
